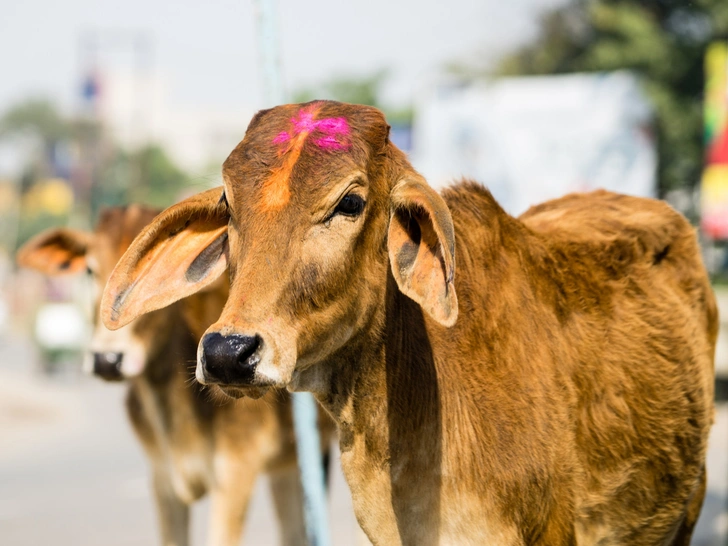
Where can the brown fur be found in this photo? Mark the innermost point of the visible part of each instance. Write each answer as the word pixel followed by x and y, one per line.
pixel 197 441
pixel 551 386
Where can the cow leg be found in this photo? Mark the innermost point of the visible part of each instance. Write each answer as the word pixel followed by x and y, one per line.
pixel 288 499
pixel 229 501
pixel 685 531
pixel 174 514
pixel 285 486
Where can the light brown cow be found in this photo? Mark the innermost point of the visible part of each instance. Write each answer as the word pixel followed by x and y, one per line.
pixel 553 389
pixel 195 443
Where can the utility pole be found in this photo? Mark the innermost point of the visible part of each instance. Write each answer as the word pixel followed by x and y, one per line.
pixel 305 414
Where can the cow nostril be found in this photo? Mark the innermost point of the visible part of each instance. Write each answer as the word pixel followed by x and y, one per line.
pixel 113 358
pixel 108 365
pixel 230 359
pixel 247 349
pixel 108 359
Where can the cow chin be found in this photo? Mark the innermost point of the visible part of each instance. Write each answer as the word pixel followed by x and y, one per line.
pixel 242 392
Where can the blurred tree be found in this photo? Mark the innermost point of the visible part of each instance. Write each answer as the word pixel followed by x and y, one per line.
pixel 146 176
pixel 161 181
pixel 664 41
pixel 100 172
pixel 40 129
pixel 36 119
pixel 111 181
pixel 35 115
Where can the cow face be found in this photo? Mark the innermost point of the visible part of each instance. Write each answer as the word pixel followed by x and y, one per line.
pixel 316 204
pixel 112 355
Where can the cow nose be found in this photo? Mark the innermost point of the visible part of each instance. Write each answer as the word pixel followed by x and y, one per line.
pixel 108 365
pixel 230 360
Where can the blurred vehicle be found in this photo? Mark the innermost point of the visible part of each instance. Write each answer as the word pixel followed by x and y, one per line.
pixel 61 331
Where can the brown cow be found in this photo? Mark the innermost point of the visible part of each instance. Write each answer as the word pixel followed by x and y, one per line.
pixel 556 390
pixel 195 444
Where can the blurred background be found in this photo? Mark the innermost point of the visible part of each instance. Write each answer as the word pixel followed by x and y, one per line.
pixel 104 102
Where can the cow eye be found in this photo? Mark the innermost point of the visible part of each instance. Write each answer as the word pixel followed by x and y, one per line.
pixel 351 205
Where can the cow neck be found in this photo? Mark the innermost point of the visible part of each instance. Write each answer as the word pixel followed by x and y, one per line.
pixel 387 382
pixel 169 373
pixel 386 365
pixel 171 357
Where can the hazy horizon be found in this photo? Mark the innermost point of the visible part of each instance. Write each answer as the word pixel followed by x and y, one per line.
pixel 206 53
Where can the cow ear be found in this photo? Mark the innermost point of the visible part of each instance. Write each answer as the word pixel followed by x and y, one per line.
pixel 56 252
pixel 421 245
pixel 180 252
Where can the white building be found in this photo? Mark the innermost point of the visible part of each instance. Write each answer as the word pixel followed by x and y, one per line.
pixel 138 110
pixel 536 138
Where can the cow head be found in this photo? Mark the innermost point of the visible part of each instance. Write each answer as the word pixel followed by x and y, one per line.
pixel 112 355
pixel 316 206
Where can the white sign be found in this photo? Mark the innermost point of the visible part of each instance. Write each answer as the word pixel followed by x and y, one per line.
pixel 533 139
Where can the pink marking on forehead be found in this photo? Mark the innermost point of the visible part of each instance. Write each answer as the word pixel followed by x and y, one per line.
pixel 334 131
pixel 328 134
pixel 281 137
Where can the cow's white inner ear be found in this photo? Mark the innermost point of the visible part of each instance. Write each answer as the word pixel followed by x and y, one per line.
pixel 421 250
pixel 204 263
pixel 407 234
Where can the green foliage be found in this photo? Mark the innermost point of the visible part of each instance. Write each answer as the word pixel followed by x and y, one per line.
pixel 104 174
pixel 112 177
pixel 36 116
pixel 145 176
pixel 160 180
pixel 664 41
pixel 39 119
pixel 30 225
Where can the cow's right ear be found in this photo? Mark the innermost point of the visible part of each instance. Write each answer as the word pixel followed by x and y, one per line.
pixel 181 252
pixel 421 245
pixel 56 252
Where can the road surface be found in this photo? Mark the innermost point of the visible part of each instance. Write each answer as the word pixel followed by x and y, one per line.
pixel 72 474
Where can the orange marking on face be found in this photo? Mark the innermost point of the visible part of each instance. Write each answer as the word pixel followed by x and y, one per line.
pixel 276 191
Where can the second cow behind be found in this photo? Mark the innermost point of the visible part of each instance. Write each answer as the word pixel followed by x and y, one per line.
pixel 195 443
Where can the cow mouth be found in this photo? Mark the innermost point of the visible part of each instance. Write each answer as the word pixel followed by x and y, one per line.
pixel 238 392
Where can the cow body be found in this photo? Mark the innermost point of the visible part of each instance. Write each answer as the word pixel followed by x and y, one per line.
pixel 580 411
pixel 197 441
pixel 543 380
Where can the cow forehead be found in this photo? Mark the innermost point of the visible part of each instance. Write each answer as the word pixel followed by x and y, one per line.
pixel 298 148
pixel 116 229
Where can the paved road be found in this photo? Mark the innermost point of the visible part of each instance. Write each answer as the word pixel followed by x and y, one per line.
pixel 71 472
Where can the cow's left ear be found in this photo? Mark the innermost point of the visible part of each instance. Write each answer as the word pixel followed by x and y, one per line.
pixel 421 244
pixel 58 251
pixel 181 252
